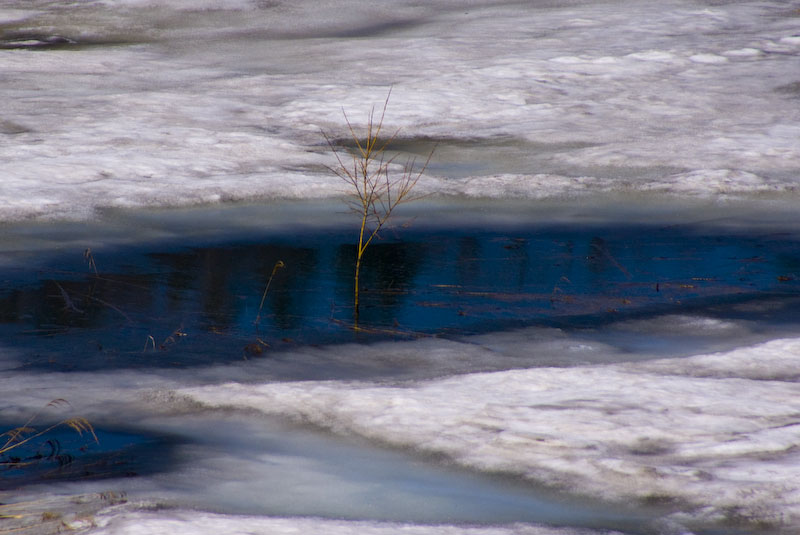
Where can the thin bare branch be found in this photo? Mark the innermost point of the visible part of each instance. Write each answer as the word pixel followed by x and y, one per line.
pixel 376 192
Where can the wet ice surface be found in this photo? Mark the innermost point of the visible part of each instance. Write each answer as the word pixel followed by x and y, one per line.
pixel 706 438
pixel 240 464
pixel 577 108
pixel 719 431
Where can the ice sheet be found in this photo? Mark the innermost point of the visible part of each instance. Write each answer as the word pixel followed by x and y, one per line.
pixel 180 103
pixel 138 103
pixel 711 436
pixel 197 523
pixel 717 431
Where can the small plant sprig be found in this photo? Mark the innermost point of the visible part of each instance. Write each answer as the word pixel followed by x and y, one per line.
pixel 173 338
pixel 278 265
pixel 376 189
pixel 89 257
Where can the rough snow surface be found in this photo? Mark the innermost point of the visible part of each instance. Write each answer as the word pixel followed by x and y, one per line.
pixel 166 103
pixel 719 431
pixel 197 523
pixel 173 103
pixel 714 436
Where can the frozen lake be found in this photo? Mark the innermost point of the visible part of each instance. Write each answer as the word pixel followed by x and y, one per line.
pixel 589 325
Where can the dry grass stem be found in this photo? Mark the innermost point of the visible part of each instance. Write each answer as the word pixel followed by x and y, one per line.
pixel 278 265
pixel 22 435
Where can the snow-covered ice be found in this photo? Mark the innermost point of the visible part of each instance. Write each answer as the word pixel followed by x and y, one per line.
pixel 682 110
pixel 177 523
pixel 175 103
pixel 719 431
pixel 714 435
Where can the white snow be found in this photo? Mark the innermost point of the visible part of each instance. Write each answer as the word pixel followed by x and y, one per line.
pixel 719 431
pixel 231 110
pixel 171 103
pixel 15 14
pixel 708 58
pixel 716 431
pixel 199 523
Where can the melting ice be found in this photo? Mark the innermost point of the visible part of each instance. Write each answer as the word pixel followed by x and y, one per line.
pixel 684 111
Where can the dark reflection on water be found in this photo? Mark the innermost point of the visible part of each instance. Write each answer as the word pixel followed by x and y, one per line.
pixel 194 304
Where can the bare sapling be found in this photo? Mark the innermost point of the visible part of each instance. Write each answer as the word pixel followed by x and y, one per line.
pixel 378 184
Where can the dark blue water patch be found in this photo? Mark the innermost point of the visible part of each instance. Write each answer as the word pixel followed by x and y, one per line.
pixel 193 303
pixel 43 453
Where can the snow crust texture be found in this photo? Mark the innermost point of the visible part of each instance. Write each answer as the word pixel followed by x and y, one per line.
pixel 196 523
pixel 141 102
pixel 717 431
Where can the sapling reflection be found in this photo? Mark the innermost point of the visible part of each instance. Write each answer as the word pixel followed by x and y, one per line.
pixel 377 184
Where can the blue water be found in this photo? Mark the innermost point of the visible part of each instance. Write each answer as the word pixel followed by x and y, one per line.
pixel 195 301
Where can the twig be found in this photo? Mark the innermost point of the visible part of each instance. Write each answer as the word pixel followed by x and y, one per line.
pixel 278 265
